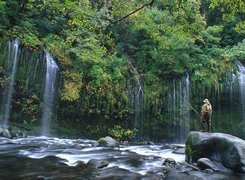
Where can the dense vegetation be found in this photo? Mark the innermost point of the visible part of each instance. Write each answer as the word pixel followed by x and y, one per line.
pixel 103 56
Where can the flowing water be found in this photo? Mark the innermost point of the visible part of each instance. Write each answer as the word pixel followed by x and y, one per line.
pixel 10 68
pixel 49 94
pixel 54 158
pixel 179 108
pixel 136 97
pixel 185 108
pixel 229 102
pixel 241 79
pixel 138 104
pixel 26 68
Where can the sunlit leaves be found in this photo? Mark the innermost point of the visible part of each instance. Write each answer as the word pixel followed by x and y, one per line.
pixel 165 37
pixel 72 85
pixel 70 91
pixel 230 10
pixel 229 6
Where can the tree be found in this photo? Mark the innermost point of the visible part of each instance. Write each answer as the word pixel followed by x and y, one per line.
pixel 3 16
pixel 232 9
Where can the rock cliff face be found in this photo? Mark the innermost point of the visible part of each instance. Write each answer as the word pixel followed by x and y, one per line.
pixel 224 148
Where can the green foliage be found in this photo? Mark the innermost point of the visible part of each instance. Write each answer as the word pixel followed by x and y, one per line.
pixel 231 9
pixel 2 78
pixel 192 153
pixel 30 107
pixel 212 36
pixel 26 106
pixel 3 16
pixel 237 52
pixel 100 61
pixel 120 133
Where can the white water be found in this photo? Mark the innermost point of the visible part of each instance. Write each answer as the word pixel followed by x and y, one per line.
pixel 8 91
pixel 49 93
pixel 74 151
pixel 241 79
pixel 185 107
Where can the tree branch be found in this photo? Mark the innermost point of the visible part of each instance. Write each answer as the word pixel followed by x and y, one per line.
pixel 127 15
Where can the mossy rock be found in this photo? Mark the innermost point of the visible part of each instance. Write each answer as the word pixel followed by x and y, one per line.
pixel 108 142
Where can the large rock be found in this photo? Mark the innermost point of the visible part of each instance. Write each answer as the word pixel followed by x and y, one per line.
pixel 108 142
pixel 5 133
pixel 224 148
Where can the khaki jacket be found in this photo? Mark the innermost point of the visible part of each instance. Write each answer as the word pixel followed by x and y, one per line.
pixel 206 108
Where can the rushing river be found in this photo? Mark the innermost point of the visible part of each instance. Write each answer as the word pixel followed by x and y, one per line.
pixel 54 158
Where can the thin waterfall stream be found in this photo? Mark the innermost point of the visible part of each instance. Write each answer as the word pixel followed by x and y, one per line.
pixel 241 79
pixel 185 108
pixel 179 108
pixel 11 67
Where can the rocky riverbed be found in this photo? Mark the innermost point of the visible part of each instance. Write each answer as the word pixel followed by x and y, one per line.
pixel 55 158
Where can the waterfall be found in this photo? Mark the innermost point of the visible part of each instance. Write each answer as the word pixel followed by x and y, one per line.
pixel 241 79
pixel 136 96
pixel 185 108
pixel 138 103
pixel 26 68
pixel 179 108
pixel 10 68
pixel 49 93
pixel 232 84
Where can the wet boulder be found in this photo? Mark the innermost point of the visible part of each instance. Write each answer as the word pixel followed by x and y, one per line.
pixel 220 147
pixel 205 163
pixel 179 151
pixel 108 142
pixel 5 133
pixel 98 163
pixel 18 134
pixel 169 161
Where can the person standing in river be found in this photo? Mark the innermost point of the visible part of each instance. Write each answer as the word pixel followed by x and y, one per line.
pixel 206 113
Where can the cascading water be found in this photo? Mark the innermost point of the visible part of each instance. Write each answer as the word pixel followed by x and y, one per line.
pixel 179 108
pixel 185 108
pixel 136 96
pixel 241 79
pixel 49 93
pixel 10 68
